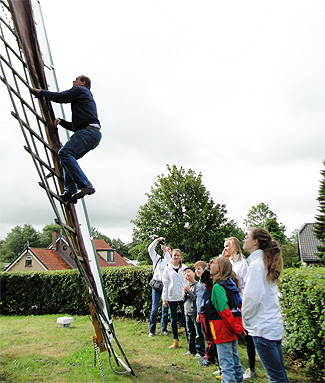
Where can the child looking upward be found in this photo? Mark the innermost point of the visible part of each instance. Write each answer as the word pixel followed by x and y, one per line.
pixel 194 330
pixel 227 327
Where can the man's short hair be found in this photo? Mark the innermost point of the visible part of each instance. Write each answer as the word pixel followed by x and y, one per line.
pixel 86 80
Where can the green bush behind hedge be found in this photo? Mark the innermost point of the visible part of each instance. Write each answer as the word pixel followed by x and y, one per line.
pixel 62 292
pixel 303 308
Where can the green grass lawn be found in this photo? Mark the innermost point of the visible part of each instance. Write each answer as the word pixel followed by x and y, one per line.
pixel 36 349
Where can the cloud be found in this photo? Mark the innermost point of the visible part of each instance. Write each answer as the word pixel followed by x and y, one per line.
pixel 232 90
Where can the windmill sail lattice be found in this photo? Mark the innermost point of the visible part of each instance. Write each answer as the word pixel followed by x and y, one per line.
pixel 26 62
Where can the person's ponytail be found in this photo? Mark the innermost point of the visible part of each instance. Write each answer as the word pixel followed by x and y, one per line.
pixel 272 253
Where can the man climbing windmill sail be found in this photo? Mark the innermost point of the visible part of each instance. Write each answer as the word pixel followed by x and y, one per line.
pixel 87 135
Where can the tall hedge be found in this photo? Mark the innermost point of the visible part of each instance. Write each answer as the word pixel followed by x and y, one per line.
pixel 58 292
pixel 303 306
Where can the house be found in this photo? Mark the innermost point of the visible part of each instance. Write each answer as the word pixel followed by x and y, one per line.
pixel 307 245
pixel 58 257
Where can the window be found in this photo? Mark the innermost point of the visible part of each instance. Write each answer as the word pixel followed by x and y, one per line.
pixel 28 261
pixel 110 256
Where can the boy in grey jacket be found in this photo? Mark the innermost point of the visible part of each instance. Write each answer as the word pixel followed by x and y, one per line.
pixel 196 345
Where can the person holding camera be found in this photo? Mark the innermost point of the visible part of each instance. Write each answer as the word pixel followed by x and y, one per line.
pixel 159 263
pixel 172 295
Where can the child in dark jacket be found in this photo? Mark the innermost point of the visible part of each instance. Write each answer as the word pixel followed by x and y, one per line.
pixel 194 330
pixel 227 326
pixel 204 305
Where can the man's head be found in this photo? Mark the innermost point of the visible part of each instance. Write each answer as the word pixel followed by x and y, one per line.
pixel 82 81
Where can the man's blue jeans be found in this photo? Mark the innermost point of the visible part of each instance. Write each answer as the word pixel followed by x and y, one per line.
pixel 156 295
pixel 196 343
pixel 231 369
pixel 80 143
pixel 270 353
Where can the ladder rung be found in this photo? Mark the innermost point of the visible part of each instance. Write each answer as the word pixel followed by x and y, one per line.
pixel 57 197
pixel 67 227
pixel 33 132
pixel 48 167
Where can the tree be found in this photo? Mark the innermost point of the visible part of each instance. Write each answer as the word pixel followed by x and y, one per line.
pixel 277 232
pixel 98 235
pixel 46 236
pixel 121 247
pixel 320 218
pixel 290 252
pixel 17 240
pixel 180 209
pixel 261 216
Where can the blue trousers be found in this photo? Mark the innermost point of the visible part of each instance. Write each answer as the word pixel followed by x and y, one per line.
pixel 231 369
pixel 270 353
pixel 156 295
pixel 80 143
pixel 173 316
pixel 195 334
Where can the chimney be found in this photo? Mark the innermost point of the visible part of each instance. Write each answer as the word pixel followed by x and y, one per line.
pixel 54 238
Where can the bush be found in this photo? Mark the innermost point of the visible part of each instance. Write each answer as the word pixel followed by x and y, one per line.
pixel 59 292
pixel 302 302
pixel 40 293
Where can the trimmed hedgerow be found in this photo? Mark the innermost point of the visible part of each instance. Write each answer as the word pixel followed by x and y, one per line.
pixel 40 293
pixel 57 292
pixel 303 307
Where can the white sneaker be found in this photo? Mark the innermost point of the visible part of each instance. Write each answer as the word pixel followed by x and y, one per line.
pixel 249 374
pixel 217 372
pixel 150 335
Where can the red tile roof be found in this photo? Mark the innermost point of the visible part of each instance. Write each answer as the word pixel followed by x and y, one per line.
pixel 51 259
pixel 100 244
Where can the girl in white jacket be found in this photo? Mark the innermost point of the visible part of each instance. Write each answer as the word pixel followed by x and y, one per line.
pixel 261 310
pixel 173 287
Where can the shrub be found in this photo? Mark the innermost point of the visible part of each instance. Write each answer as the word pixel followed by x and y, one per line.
pixel 302 302
pixel 58 292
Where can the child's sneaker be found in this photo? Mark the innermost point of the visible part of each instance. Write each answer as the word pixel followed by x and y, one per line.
pixel 249 374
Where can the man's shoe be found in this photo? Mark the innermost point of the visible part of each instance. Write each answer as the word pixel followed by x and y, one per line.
pixel 68 198
pixel 164 332
pixel 88 190
pixel 249 374
pixel 150 335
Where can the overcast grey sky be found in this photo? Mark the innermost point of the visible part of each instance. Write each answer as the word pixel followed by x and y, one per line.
pixel 234 90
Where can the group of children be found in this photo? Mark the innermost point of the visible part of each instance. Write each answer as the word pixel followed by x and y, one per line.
pixel 212 315
pixel 217 311
pixel 224 314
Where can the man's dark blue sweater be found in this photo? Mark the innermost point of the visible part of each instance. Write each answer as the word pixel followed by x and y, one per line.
pixel 83 106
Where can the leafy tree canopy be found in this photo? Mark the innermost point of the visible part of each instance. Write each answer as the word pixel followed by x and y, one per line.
pixel 46 235
pixel 98 235
pixel 17 240
pixel 320 218
pixel 180 209
pixel 261 216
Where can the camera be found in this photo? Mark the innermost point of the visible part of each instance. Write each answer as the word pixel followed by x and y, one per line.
pixel 162 242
